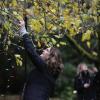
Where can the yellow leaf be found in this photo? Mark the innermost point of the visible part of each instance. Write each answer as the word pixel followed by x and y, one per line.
pixel 65 13
pixel 54 28
pixel 94 53
pixel 86 36
pixel 49 26
pixel 78 22
pixel 53 10
pixel 88 44
pixel 66 24
pixel 29 11
pixel 17 56
pixel 15 13
pixel 20 17
pixel 39 44
pixel 18 60
pixel 73 29
pixel 35 4
pixel 14 3
pixel 35 25
pixel 17 16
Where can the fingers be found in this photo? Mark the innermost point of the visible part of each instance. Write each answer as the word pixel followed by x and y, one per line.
pixel 21 23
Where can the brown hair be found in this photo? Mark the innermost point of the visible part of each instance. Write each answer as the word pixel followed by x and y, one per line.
pixel 55 64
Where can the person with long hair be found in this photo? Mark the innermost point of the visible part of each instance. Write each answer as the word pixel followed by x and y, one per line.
pixel 84 83
pixel 48 66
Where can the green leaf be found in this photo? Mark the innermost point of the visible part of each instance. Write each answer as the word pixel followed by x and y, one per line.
pixel 88 44
pixel 63 43
pixel 6 25
pixel 53 41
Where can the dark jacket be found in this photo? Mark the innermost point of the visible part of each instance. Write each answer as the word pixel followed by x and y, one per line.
pixel 84 93
pixel 96 83
pixel 40 81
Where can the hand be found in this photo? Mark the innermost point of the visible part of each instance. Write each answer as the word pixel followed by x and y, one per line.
pixel 22 29
pixel 86 85
pixel 21 23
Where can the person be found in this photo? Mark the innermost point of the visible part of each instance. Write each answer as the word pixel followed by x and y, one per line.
pixel 93 70
pixel 84 84
pixel 96 83
pixel 41 80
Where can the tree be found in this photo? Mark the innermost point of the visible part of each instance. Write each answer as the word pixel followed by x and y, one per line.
pixel 62 23
pixel 52 21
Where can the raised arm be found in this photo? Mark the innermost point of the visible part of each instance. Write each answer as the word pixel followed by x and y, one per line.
pixel 36 59
pixel 29 47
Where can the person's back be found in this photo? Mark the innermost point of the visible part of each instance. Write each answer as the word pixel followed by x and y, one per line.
pixel 39 85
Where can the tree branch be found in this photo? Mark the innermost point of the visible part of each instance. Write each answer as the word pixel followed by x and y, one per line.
pixel 90 56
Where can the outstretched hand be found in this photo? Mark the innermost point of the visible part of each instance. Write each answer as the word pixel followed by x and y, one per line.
pixel 21 23
pixel 22 29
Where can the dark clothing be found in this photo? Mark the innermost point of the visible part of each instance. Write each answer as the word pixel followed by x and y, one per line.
pixel 82 92
pixel 40 81
pixel 96 83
